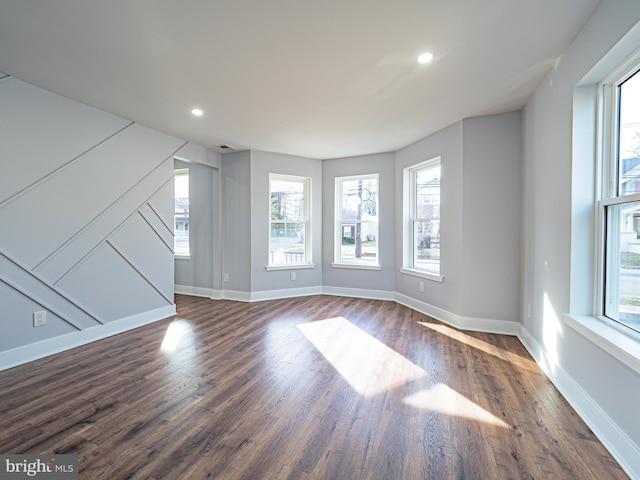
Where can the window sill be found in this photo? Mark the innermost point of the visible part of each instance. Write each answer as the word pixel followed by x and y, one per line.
pixel 295 266
pixel 182 257
pixel 356 266
pixel 622 345
pixel 422 274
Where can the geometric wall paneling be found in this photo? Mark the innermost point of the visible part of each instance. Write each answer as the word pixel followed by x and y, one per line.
pixel 110 287
pixel 141 246
pixel 83 190
pixel 63 260
pixel 75 178
pixel 156 223
pixel 164 197
pixel 44 131
pixel 45 295
pixel 22 332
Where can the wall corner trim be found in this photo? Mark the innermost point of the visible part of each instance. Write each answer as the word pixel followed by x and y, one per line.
pixel 51 346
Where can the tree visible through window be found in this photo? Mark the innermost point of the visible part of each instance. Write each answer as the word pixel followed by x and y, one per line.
pixel 357 220
pixel 181 213
pixel 620 205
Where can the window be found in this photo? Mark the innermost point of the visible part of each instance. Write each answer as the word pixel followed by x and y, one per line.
pixel 422 219
pixel 181 213
pixel 289 225
pixel 619 206
pixel 356 240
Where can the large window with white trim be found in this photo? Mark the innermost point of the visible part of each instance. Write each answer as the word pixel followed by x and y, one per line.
pixel 422 232
pixel 356 231
pixel 289 224
pixel 619 206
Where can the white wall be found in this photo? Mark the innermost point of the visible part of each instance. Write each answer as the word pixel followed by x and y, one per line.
pixel 236 222
pixel 365 281
pixel 262 164
pixel 557 213
pixel 194 153
pixel 86 218
pixel 491 187
pixel 447 144
pixel 480 225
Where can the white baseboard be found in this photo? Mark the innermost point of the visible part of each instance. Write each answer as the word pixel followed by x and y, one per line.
pixel 621 447
pixel 235 295
pixel 50 346
pixel 485 325
pixel 434 312
pixel 286 293
pixel 358 293
pixel 193 291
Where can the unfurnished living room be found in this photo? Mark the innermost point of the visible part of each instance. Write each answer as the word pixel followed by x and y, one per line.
pixel 320 240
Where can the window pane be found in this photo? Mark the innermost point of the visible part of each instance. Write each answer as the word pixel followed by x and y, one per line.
pixel 357 220
pixel 287 243
pixel 622 297
pixel 361 193
pixel 426 237
pixel 365 250
pixel 424 225
pixel 428 193
pixel 629 141
pixel 181 213
pixel 287 200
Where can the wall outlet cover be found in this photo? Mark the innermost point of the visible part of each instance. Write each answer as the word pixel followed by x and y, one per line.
pixel 39 318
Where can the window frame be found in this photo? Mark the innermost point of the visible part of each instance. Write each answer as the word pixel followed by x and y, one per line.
pixel 182 256
pixel 339 222
pixel 607 191
pixel 306 222
pixel 410 218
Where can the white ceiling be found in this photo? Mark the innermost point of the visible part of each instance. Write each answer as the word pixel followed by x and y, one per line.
pixel 319 79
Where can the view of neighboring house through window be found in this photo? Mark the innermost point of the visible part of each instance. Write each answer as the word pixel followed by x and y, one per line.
pixel 423 231
pixel 289 220
pixel 620 205
pixel 357 220
pixel 181 213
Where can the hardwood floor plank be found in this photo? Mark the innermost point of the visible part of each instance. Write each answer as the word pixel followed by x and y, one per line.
pixel 304 388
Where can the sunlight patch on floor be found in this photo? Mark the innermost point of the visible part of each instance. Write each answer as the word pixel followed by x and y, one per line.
pixel 367 364
pixel 178 334
pixel 443 399
pixel 483 346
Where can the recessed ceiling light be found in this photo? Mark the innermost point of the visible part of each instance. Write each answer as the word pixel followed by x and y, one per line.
pixel 197 112
pixel 425 58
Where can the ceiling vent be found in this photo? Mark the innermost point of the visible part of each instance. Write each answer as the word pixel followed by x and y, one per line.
pixel 225 149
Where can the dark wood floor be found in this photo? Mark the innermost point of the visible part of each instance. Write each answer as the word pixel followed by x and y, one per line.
pixel 308 388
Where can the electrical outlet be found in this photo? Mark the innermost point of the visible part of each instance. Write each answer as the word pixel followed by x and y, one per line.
pixel 529 311
pixel 39 318
pixel 293 276
pixel 226 277
pixel 421 286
